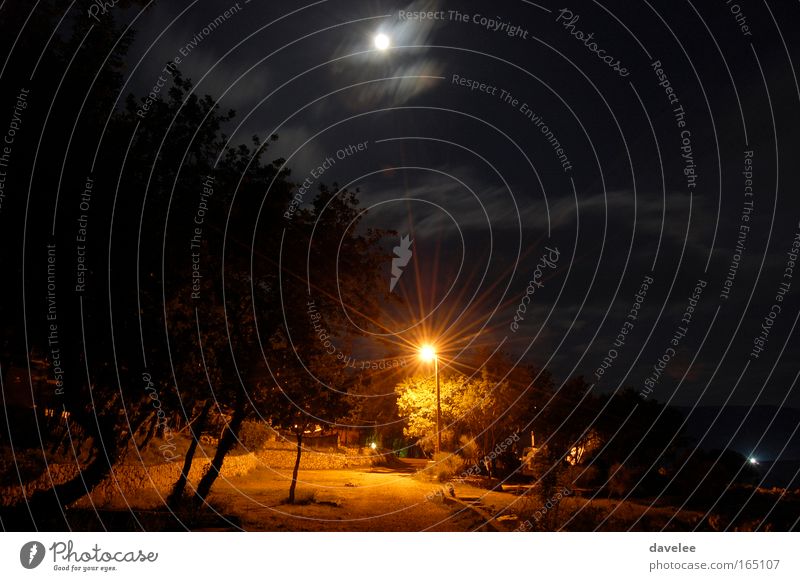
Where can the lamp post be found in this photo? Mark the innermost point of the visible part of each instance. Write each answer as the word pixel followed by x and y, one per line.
pixel 428 353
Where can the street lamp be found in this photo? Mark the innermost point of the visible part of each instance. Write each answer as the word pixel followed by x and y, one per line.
pixel 427 353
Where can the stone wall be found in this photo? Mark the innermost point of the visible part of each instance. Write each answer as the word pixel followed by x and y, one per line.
pixel 151 484
pixel 58 474
pixel 313 460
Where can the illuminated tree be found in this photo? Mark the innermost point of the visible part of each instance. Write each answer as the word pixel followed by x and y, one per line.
pixel 474 410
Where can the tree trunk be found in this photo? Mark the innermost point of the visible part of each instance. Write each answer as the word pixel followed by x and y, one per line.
pixel 487 463
pixel 44 509
pixel 296 466
pixel 196 430
pixel 225 445
pixel 151 431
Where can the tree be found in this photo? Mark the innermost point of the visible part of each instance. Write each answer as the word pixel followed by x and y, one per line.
pixel 96 385
pixel 640 441
pixel 138 317
pixel 416 402
pixel 309 380
pixel 480 411
pixel 175 147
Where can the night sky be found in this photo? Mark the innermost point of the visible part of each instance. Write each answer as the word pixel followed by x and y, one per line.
pixel 478 186
pixel 626 171
pixel 480 189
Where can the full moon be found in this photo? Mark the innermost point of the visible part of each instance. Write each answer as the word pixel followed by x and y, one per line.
pixel 382 41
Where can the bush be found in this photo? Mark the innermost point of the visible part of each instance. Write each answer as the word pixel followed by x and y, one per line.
pixel 469 449
pixel 445 466
pixel 540 513
pixel 621 480
pixel 583 519
pixel 254 435
pixel 580 476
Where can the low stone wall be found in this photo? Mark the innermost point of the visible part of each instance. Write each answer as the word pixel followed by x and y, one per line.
pixel 151 484
pixel 56 474
pixel 313 460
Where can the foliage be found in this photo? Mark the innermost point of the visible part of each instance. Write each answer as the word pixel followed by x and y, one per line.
pixel 254 435
pixel 479 411
pixel 621 480
pixel 445 466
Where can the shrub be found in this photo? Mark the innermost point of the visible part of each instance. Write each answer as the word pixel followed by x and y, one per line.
pixel 580 476
pixel 621 480
pixel 254 435
pixel 445 466
pixel 469 448
pixel 540 513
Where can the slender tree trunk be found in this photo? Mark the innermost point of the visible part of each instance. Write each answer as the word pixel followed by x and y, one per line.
pixel 62 440
pixel 296 467
pixel 486 449
pixel 196 430
pixel 225 445
pixel 151 431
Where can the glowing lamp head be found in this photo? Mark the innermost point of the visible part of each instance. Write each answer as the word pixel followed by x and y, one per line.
pixel 382 42
pixel 373 445
pixel 427 353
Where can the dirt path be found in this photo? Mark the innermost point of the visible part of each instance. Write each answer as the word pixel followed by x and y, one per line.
pixel 337 500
